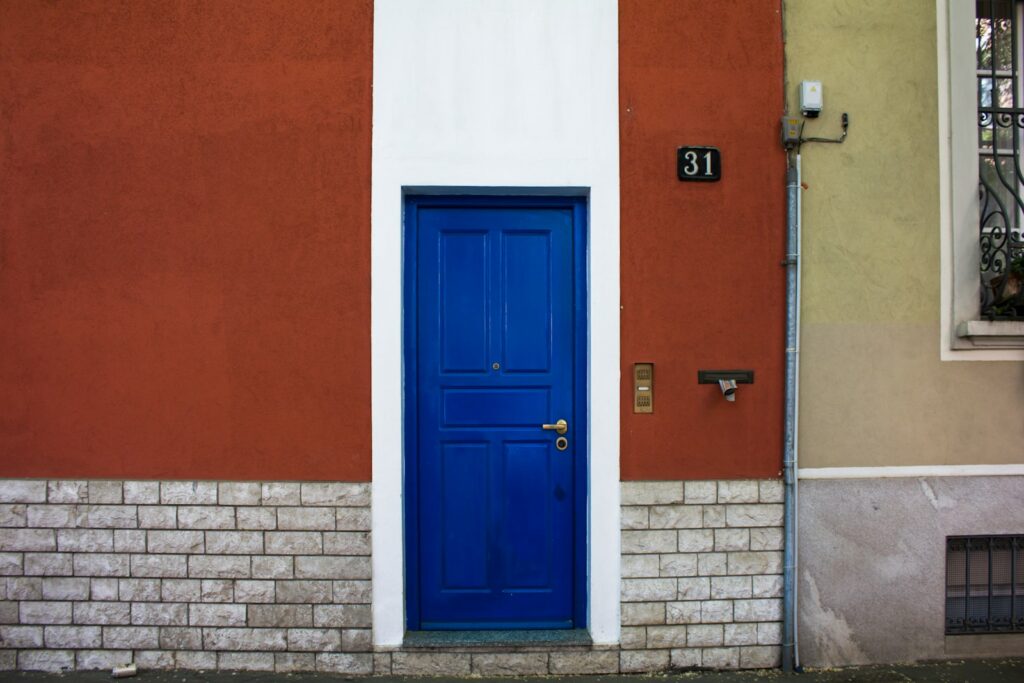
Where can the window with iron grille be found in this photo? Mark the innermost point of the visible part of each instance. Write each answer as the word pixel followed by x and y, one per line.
pixel 981 209
pixel 1000 122
pixel 984 584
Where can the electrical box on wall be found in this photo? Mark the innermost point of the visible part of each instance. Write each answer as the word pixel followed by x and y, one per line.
pixel 791 129
pixel 643 388
pixel 810 98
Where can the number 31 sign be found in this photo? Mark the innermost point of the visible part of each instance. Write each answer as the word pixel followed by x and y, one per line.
pixel 699 163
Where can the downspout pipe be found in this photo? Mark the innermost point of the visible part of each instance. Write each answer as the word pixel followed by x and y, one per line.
pixel 790 656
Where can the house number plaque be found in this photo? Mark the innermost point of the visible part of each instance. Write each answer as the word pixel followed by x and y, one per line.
pixel 699 163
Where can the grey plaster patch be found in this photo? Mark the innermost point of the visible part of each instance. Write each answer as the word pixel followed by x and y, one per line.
pixel 831 634
pixel 872 561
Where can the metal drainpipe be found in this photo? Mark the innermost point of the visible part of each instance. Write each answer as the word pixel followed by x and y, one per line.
pixel 790 652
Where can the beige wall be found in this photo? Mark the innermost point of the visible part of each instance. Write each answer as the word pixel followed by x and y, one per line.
pixel 873 390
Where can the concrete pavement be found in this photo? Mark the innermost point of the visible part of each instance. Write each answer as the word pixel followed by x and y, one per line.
pixel 974 671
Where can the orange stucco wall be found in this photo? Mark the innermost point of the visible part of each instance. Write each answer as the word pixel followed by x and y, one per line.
pixel 702 285
pixel 184 239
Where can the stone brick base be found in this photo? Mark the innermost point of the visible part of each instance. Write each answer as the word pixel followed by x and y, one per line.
pixel 701 574
pixel 275 576
pixel 177 574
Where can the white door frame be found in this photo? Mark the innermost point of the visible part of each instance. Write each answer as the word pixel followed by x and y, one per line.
pixel 545 121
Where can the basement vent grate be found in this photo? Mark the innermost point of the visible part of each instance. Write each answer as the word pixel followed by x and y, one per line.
pixel 984 584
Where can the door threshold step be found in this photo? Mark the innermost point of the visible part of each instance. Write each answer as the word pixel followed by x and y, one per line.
pixel 498 639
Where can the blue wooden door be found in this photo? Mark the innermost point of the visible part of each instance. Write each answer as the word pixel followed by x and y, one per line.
pixel 492 501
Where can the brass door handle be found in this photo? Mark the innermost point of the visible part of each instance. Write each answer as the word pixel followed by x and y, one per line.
pixel 560 427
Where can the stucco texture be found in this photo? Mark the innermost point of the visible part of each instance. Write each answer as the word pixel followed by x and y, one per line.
pixel 872 565
pixel 702 286
pixel 873 390
pixel 184 239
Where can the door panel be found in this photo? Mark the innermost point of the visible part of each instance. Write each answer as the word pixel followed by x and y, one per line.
pixel 527 302
pixel 494 502
pixel 511 407
pixel 463 284
pixel 528 543
pixel 465 560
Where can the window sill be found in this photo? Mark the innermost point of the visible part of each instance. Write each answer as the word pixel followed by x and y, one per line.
pixel 991 334
pixel 984 645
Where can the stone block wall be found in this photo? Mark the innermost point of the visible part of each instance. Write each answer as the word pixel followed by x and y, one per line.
pixel 276 576
pixel 701 574
pixel 180 574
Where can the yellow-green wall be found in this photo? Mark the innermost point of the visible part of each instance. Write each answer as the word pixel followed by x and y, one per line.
pixel 873 390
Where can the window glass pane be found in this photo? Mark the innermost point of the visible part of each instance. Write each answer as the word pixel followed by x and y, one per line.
pixel 994 34
pixel 1018 591
pixel 956 573
pixel 999 615
pixel 1003 92
pixel 996 174
pixel 983 35
pixel 984 91
pixel 977 596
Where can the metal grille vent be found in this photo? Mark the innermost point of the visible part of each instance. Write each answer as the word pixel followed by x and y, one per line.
pixel 984 584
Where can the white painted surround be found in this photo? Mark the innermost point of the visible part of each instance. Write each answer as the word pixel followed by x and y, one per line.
pixel 958 190
pixel 500 97
pixel 911 471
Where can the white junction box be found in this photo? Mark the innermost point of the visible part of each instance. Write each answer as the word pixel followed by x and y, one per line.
pixel 810 98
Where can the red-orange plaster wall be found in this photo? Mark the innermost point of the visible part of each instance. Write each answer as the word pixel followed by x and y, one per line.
pixel 702 285
pixel 184 239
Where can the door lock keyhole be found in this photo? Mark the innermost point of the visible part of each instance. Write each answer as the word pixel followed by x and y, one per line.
pixel 561 443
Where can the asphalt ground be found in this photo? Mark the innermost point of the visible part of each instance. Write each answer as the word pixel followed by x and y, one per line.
pixel 971 671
